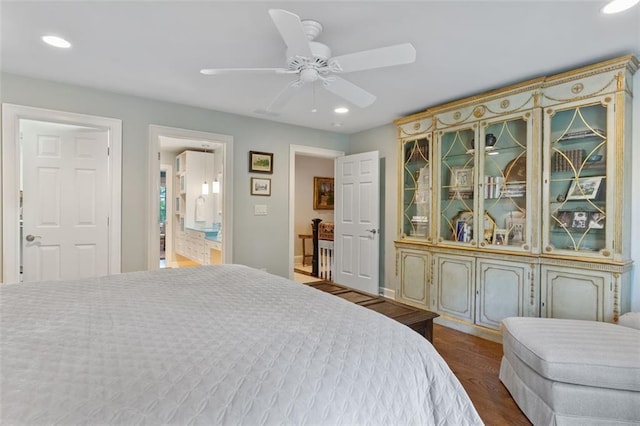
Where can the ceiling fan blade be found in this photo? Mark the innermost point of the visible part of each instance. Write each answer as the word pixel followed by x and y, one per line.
pixel 349 91
pixel 398 54
pixel 291 31
pixel 284 96
pixel 218 71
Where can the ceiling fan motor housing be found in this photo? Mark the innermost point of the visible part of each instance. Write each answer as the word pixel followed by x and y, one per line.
pixel 308 67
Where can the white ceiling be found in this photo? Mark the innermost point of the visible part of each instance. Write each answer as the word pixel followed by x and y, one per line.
pixel 155 49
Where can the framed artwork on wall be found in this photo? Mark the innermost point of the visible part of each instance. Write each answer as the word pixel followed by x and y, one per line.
pixel 260 162
pixel 260 186
pixel 323 193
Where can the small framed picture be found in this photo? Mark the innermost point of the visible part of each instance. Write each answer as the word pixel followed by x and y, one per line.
pixel 579 220
pixel 461 179
pixel 564 219
pixel 516 227
pixel 596 220
pixel 260 162
pixel 500 236
pixel 260 186
pixel 584 188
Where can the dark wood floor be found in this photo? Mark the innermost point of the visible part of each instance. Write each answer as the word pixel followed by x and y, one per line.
pixel 476 363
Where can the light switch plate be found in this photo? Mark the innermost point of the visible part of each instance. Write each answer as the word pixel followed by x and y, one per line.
pixel 260 210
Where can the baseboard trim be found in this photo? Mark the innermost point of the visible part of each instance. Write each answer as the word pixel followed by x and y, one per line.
pixel 388 293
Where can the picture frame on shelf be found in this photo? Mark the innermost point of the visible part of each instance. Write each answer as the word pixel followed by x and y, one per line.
pixel 584 188
pixel 596 220
pixel 500 236
pixel 323 193
pixel 461 179
pixel 261 186
pixel 516 226
pixel 564 218
pixel 260 162
pixel 579 220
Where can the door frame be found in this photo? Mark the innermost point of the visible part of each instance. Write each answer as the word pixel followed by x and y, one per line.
pixel 11 173
pixel 309 151
pixel 157 131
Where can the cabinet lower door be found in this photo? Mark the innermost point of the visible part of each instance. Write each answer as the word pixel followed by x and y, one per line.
pixel 504 289
pixel 454 278
pixel 576 294
pixel 414 278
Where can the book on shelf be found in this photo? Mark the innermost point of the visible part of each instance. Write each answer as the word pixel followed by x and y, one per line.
pixel 460 195
pixel 582 134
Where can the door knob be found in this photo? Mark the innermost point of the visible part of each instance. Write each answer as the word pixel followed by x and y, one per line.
pixel 30 238
pixel 373 231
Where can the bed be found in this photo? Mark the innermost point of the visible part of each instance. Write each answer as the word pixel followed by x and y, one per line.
pixel 213 345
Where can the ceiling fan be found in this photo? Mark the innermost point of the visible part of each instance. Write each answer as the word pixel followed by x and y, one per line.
pixel 310 61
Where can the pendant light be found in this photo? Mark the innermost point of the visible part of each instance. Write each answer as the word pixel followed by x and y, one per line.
pixel 205 185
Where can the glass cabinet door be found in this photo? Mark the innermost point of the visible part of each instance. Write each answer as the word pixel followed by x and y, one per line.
pixel 504 186
pixel 456 187
pixel 416 188
pixel 576 167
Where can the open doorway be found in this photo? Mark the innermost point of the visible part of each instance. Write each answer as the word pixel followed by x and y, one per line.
pixel 190 225
pixel 306 163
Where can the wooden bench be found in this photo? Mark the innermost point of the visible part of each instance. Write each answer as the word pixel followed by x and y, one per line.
pixel 417 319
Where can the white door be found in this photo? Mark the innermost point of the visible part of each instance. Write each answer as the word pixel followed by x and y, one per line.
pixel 65 211
pixel 356 233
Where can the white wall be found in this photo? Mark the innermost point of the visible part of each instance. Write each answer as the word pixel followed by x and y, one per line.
pixel 255 237
pixel 306 169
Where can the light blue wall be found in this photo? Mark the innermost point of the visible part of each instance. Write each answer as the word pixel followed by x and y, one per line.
pixel 258 240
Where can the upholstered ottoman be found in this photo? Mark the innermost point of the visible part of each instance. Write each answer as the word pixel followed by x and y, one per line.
pixel 572 372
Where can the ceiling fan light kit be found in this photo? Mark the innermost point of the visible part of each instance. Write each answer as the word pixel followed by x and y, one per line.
pixel 312 61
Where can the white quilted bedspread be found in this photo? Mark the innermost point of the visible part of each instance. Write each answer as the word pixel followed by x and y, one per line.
pixel 213 345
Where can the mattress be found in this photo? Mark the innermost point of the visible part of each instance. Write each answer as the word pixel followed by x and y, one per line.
pixel 213 345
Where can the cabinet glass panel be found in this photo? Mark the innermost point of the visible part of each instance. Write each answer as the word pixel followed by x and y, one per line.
pixel 504 183
pixel 457 185
pixel 577 181
pixel 416 188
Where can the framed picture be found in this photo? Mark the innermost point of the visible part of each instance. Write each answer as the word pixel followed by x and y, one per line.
pixel 584 188
pixel 323 193
pixel 579 220
pixel 596 220
pixel 260 162
pixel 260 186
pixel 515 224
pixel 461 179
pixel 500 237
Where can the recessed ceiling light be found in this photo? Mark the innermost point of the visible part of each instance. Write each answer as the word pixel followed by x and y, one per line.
pixel 314 110
pixel 341 110
pixel 56 41
pixel 616 6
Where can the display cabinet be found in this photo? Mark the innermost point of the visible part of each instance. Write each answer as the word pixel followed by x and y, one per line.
pixel 520 197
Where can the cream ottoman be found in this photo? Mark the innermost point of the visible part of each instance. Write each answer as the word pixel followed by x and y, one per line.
pixel 572 372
